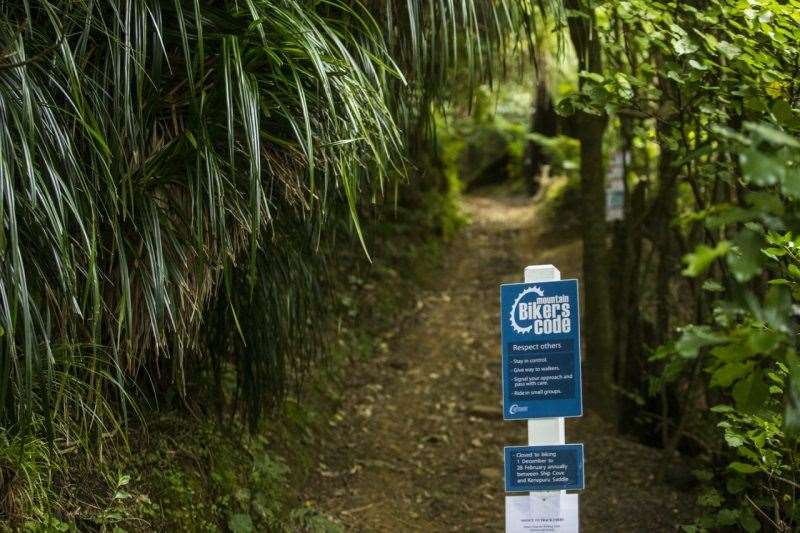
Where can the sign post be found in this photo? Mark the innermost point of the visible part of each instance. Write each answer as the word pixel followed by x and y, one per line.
pixel 540 330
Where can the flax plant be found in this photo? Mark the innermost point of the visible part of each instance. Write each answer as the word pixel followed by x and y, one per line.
pixel 171 172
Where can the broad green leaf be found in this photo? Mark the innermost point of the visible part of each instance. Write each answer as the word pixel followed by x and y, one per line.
pixel 675 77
pixel 743 468
pixel 732 352
pixel 766 202
pixel 751 393
pixel 693 338
pixel 773 253
pixel 772 134
pixel 727 214
pixel 683 45
pixel 703 256
pixel 763 340
pixel 733 439
pixel 790 183
pixel 776 309
pixel 745 258
pixel 785 115
pixel 594 76
pixel 731 51
pixel 749 522
pixel 728 373
pixel 697 65
pixel 760 168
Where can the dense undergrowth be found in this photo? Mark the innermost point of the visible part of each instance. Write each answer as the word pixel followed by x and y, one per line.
pixel 692 111
pixel 691 295
pixel 186 469
pixel 179 182
pixel 189 190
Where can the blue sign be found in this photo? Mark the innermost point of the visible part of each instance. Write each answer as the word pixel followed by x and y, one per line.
pixel 544 468
pixel 541 343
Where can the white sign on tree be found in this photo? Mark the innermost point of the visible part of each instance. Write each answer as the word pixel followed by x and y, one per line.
pixel 615 186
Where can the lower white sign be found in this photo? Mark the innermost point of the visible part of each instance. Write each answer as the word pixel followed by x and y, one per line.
pixel 549 514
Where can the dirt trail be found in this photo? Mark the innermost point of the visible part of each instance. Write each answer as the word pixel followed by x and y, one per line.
pixel 419 444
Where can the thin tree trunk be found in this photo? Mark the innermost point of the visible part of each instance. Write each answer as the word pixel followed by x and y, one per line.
pixel 666 198
pixel 544 121
pixel 665 207
pixel 589 128
pixel 599 363
pixel 624 294
pixel 635 362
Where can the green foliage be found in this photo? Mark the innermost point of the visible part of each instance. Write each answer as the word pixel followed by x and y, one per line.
pixel 184 476
pixel 138 177
pixel 176 178
pixel 703 257
pixel 485 145
pixel 26 473
pixel 311 521
pixel 240 523
pixel 749 351
pixel 563 152
pixel 715 88
pixel 185 473
pixel 160 164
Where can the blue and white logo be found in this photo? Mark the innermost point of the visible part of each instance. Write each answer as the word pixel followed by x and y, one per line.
pixel 540 339
pixel 516 408
pixel 533 312
pixel 520 320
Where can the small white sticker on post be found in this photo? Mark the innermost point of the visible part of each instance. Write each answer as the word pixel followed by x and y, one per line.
pixel 554 514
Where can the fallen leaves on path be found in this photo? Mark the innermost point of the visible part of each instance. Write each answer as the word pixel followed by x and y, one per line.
pixel 417 442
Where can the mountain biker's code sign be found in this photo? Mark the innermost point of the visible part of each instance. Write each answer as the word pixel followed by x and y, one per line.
pixel 540 338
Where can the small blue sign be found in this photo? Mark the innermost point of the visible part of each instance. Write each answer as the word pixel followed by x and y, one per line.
pixel 541 344
pixel 544 468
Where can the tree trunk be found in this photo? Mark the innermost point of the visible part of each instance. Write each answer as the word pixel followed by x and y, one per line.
pixel 544 121
pixel 666 197
pixel 589 128
pixel 599 363
pixel 665 207
pixel 624 286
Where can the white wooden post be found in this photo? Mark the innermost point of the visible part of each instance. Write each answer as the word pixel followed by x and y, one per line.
pixel 544 431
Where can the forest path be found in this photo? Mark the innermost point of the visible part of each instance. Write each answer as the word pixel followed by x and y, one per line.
pixel 418 440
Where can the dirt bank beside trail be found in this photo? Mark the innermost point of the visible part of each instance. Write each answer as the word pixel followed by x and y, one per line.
pixel 417 443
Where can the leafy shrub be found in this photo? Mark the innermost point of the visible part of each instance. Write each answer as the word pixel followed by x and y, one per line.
pixel 563 152
pixel 748 350
pixel 168 170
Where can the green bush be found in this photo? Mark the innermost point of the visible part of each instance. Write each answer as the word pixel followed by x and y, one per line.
pixel 176 177
pixel 748 349
pixel 563 152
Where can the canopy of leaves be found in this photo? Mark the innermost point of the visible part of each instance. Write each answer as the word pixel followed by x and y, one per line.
pixel 705 96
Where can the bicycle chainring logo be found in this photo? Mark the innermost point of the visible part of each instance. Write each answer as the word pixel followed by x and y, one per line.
pixel 521 319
